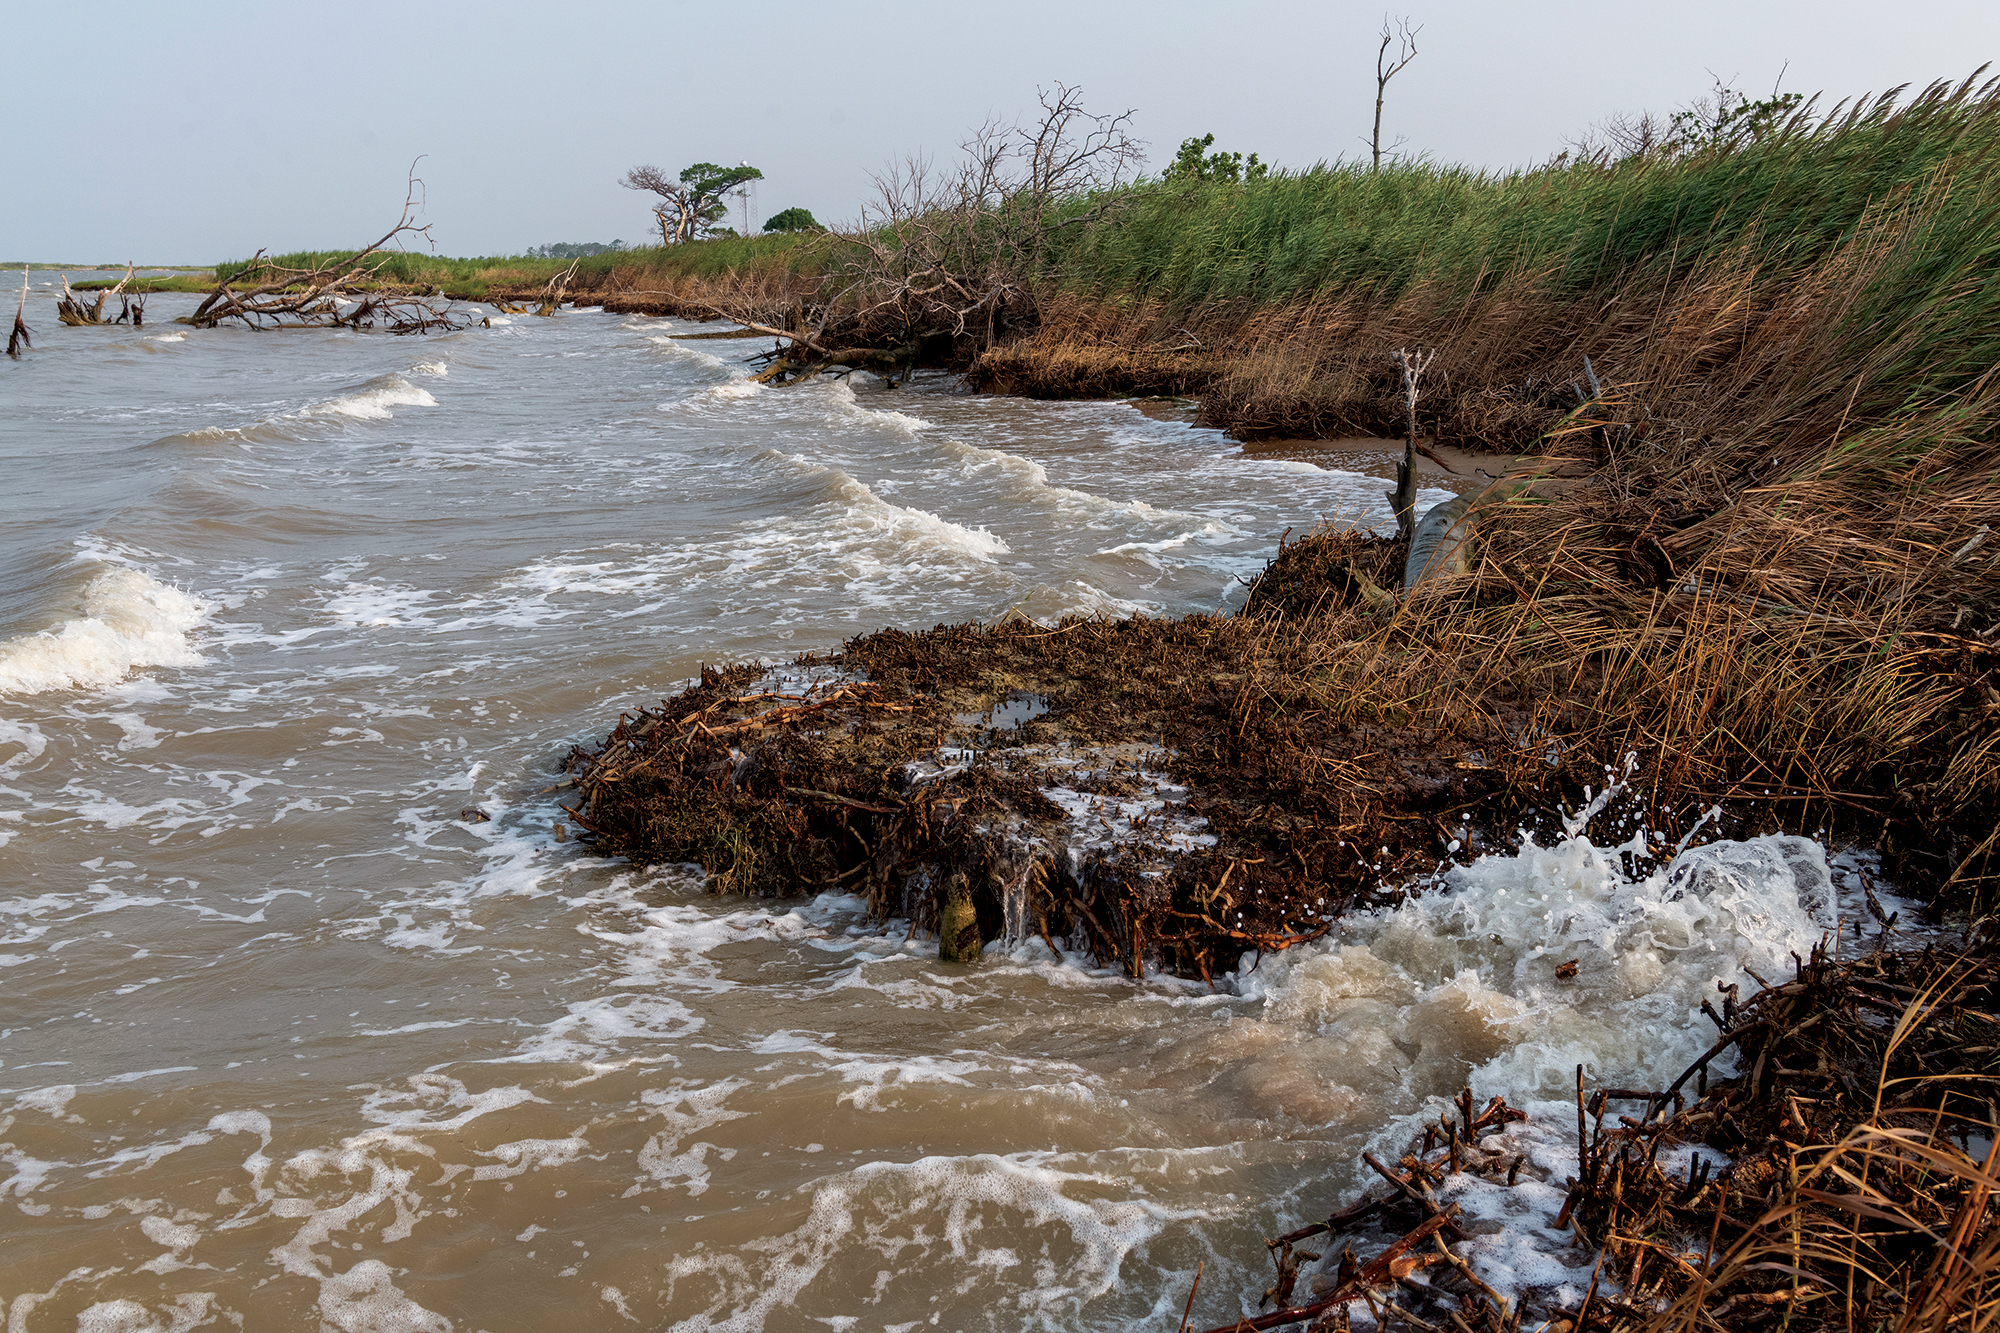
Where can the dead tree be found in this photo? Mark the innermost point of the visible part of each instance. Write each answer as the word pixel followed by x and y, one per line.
pixel 950 255
pixel 1404 498
pixel 19 337
pixel 1405 39
pixel 321 297
pixel 131 306
pixel 71 309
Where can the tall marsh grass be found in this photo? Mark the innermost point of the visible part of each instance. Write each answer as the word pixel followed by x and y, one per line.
pixel 1774 572
pixel 698 260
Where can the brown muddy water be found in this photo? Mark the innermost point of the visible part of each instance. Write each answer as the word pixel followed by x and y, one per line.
pixel 289 1040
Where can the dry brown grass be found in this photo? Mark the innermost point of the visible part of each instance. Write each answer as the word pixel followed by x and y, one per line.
pixel 1775 582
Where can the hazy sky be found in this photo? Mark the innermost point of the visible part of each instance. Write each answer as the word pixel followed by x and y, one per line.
pixel 191 132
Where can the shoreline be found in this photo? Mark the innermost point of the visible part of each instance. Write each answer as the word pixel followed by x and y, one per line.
pixel 1108 784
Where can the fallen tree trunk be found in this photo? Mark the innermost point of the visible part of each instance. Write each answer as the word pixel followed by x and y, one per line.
pixel 803 361
pixel 317 297
pixel 71 310
pixel 553 293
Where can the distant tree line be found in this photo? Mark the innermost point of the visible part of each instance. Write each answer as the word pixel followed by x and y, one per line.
pixel 576 249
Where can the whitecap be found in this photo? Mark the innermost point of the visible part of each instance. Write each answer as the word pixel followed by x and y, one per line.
pixel 373 400
pixel 128 621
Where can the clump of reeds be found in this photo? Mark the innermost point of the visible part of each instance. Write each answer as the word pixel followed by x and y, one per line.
pixel 1864 1137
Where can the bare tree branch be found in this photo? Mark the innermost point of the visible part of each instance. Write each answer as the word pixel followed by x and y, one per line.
pixel 953 251
pixel 19 337
pixel 1405 39
pixel 305 298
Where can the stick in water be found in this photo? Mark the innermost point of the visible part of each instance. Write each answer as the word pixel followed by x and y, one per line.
pixel 1197 1287
pixel 19 338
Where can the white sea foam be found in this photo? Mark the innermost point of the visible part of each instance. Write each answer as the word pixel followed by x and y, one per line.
pixel 28 737
pixel 846 407
pixel 930 1215
pixel 127 621
pixel 49 1101
pixel 437 368
pixel 372 401
pixel 1028 482
pixel 685 1112
pixel 1050 603
pixel 187 1311
pixel 696 356
pixel 1467 972
pixel 867 514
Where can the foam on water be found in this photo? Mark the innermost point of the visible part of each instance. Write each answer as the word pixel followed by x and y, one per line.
pixel 1458 986
pixel 844 407
pixel 372 401
pixel 1473 963
pixel 127 621
pixel 866 515
pixel 844 535
pixel 1028 482
pixel 696 357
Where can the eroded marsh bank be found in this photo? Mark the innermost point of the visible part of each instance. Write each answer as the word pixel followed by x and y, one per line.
pixel 1764 588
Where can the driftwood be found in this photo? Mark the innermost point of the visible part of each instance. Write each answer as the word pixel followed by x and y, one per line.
pixel 1428 1232
pixel 804 360
pixel 1404 498
pixel 19 337
pixel 70 307
pixel 1855 1190
pixel 71 310
pixel 318 297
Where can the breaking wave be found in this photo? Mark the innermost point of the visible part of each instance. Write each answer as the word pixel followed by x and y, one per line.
pixel 128 620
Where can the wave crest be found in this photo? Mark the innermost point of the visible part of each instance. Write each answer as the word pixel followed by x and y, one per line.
pixel 128 621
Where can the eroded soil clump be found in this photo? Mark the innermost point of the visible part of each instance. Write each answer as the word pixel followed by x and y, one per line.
pixel 1155 792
